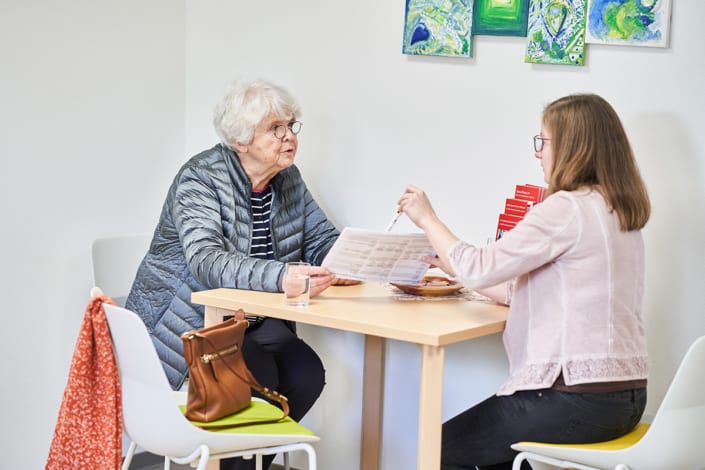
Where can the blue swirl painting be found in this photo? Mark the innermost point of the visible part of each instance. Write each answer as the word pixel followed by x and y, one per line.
pixel 438 27
pixel 628 22
pixel 556 32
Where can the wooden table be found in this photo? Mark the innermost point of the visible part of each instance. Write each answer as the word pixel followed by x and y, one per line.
pixel 373 310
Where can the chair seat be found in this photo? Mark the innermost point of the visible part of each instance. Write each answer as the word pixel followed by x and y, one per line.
pixel 257 411
pixel 620 443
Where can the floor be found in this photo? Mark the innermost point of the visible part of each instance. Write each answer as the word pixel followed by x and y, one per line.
pixel 145 461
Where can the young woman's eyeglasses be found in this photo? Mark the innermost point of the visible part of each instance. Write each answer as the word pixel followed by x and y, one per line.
pixel 279 130
pixel 539 142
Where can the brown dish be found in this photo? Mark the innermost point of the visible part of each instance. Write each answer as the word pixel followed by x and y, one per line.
pixel 430 286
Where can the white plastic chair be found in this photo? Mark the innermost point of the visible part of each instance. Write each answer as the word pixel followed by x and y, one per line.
pixel 154 422
pixel 674 440
pixel 115 261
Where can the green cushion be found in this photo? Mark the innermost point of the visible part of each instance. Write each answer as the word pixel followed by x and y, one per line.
pixel 256 411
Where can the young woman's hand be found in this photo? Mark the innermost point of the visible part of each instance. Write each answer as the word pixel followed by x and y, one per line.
pixel 437 262
pixel 417 207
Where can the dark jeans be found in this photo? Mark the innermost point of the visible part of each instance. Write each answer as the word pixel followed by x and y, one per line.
pixel 283 362
pixel 481 436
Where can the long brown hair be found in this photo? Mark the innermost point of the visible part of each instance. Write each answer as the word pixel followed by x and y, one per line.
pixel 591 149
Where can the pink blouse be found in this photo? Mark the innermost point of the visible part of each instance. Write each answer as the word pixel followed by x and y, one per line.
pixel 578 284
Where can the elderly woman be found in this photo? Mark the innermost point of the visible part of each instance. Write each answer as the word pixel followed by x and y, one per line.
pixel 233 216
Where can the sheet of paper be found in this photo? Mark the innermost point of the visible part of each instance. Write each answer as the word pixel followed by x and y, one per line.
pixel 379 256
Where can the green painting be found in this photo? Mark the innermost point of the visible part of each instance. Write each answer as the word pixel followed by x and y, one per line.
pixel 629 22
pixel 556 32
pixel 438 27
pixel 500 17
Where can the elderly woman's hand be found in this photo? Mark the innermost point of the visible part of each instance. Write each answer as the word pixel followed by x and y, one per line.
pixel 339 281
pixel 321 279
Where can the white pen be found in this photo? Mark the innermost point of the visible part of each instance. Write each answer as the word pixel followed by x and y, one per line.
pixel 394 221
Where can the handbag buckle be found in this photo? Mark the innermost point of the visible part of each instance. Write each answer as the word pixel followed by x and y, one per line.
pixel 206 358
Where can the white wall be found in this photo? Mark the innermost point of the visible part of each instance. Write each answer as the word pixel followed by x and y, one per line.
pixel 102 101
pixel 376 120
pixel 91 118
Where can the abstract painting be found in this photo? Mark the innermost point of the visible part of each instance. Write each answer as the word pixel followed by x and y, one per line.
pixel 438 27
pixel 628 22
pixel 500 17
pixel 556 32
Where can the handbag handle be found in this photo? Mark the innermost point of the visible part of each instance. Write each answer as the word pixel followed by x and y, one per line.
pixel 254 385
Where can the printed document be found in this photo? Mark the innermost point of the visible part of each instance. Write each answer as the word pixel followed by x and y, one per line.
pixel 379 256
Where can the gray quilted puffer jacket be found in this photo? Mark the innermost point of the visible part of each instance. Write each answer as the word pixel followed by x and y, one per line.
pixel 202 242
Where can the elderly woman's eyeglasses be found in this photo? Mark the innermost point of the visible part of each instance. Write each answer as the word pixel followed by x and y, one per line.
pixel 539 142
pixel 279 130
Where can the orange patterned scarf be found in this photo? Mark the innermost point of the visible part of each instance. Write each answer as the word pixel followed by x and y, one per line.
pixel 88 432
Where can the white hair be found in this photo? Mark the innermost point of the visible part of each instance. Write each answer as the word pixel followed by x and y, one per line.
pixel 245 104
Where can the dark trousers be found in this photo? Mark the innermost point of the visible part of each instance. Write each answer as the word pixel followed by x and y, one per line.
pixel 283 362
pixel 481 436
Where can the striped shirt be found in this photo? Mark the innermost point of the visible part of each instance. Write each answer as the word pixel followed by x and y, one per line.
pixel 261 243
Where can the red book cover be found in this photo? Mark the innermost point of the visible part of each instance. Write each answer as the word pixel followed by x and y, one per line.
pixel 505 223
pixel 529 192
pixel 541 191
pixel 516 207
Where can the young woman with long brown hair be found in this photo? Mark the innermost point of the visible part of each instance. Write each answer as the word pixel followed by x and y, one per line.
pixel 572 272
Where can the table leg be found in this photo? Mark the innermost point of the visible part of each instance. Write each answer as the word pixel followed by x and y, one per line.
pixel 372 402
pixel 215 315
pixel 430 407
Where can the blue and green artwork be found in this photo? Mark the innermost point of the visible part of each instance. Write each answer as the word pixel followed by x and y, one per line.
pixel 500 17
pixel 438 27
pixel 628 22
pixel 556 32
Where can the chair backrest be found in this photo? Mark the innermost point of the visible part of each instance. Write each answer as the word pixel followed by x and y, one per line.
pixel 677 426
pixel 151 416
pixel 115 261
pixel 687 389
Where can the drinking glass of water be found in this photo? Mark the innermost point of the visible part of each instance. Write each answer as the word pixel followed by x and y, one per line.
pixel 296 283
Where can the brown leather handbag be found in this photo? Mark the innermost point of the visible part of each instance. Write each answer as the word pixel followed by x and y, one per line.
pixel 220 383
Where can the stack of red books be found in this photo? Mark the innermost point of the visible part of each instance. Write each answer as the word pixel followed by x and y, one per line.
pixel 525 197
